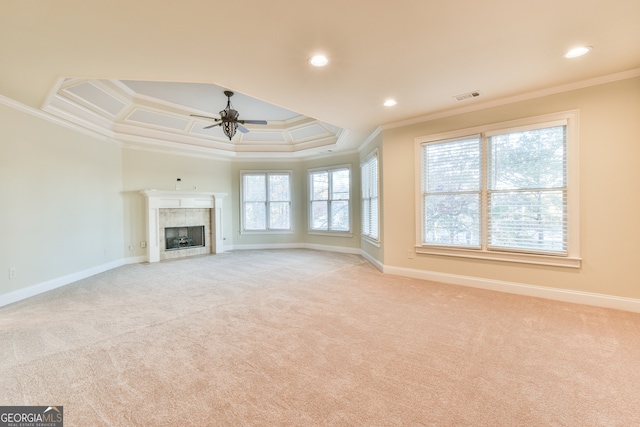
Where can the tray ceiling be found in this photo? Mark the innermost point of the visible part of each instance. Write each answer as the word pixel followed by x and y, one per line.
pixel 155 114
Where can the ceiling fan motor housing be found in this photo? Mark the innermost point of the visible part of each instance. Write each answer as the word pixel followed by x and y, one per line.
pixel 229 114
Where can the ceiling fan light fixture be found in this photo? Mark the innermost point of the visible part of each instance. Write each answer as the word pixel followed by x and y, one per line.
pixel 318 60
pixel 228 116
pixel 229 119
pixel 577 51
pixel 229 129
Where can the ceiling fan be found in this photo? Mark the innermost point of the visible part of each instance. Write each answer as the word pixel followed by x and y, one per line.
pixel 229 119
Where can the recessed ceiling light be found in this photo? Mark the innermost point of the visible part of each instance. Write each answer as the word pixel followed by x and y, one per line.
pixel 318 61
pixel 578 51
pixel 390 102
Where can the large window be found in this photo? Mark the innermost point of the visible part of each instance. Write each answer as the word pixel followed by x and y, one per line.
pixel 266 201
pixel 502 192
pixel 369 171
pixel 329 199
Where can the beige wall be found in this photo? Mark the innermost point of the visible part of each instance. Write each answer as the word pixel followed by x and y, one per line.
pixel 144 170
pixel 60 206
pixel 609 192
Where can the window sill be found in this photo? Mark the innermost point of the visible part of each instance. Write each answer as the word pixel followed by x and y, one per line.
pixel 255 232
pixel 549 260
pixel 331 233
pixel 371 241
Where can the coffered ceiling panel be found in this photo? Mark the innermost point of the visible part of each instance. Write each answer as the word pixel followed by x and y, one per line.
pixel 310 131
pixel 163 113
pixel 95 97
pixel 271 136
pixel 146 117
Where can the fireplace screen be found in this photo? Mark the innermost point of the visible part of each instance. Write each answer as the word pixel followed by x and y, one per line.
pixel 184 237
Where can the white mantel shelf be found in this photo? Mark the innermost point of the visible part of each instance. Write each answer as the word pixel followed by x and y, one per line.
pixel 159 199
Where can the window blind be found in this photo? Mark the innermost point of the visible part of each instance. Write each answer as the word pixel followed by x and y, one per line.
pixel 451 189
pixel 527 190
pixel 369 171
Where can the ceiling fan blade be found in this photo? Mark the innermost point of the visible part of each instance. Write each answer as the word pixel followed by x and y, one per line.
pixel 203 117
pixel 242 128
pixel 210 126
pixel 253 122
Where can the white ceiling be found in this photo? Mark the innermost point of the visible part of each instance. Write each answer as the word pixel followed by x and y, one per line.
pixel 421 52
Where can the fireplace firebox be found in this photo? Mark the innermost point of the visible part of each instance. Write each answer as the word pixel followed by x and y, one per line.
pixel 184 237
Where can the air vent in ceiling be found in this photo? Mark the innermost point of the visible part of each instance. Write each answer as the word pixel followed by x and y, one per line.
pixel 467 95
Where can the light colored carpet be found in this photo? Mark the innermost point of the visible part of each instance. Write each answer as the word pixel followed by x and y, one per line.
pixel 307 338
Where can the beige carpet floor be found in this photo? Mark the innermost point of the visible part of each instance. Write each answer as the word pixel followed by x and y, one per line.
pixel 308 338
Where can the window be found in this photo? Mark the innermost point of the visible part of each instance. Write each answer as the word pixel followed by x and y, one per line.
pixel 266 201
pixel 502 192
pixel 369 170
pixel 329 198
pixel 451 192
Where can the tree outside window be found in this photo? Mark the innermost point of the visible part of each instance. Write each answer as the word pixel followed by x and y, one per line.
pixel 329 198
pixel 502 190
pixel 266 201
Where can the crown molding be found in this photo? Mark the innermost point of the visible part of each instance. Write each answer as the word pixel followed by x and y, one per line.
pixel 44 115
pixel 370 138
pixel 517 98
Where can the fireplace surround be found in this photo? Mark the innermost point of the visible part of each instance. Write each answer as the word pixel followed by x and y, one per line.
pixel 182 209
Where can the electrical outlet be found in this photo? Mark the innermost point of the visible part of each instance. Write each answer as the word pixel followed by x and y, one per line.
pixel 130 248
pixel 410 254
pixel 12 272
pixel 143 244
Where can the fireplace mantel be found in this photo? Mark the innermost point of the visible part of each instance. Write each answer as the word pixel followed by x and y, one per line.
pixel 157 199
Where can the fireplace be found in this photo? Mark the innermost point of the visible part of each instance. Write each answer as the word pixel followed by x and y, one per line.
pixel 184 232
pixel 184 237
pixel 181 210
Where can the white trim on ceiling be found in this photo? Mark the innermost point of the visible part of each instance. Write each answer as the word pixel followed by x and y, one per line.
pixel 138 142
pixel 162 121
pixel 517 98
pixel 56 120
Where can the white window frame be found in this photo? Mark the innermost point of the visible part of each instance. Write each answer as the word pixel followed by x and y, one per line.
pixel 329 232
pixel 266 173
pixel 572 258
pixel 368 197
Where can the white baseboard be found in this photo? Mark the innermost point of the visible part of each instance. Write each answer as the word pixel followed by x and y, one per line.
pixel 577 297
pixel 377 264
pixel 249 247
pixel 340 249
pixel 566 295
pixel 135 260
pixel 30 291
